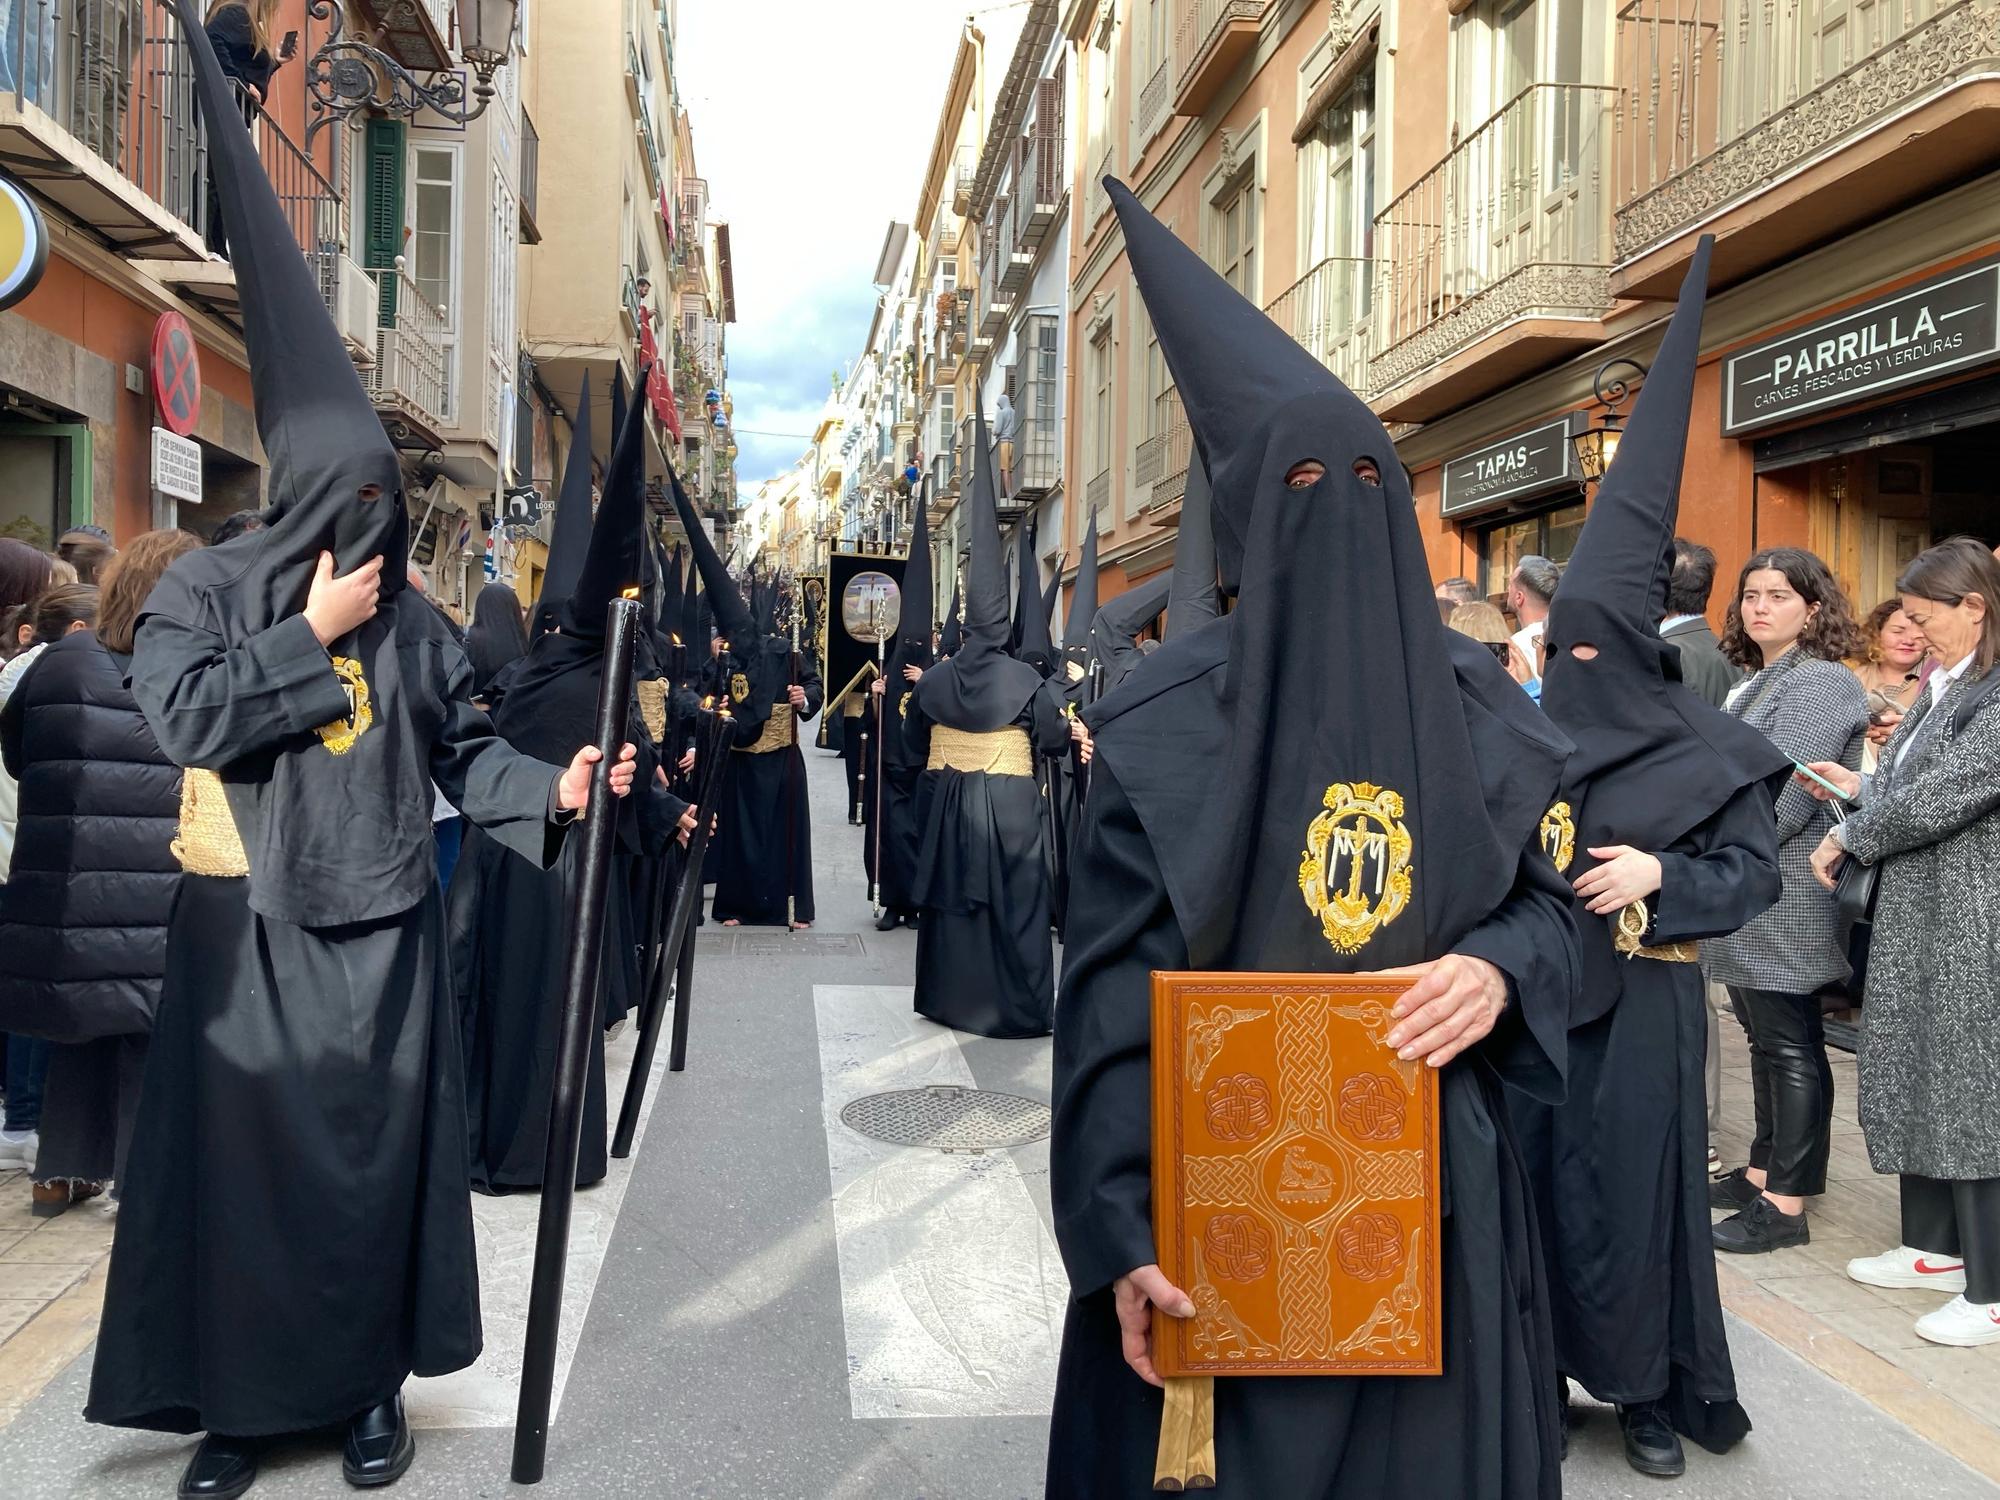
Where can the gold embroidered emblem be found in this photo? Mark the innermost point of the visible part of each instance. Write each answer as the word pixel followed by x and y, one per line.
pixel 903 704
pixel 1559 835
pixel 1355 873
pixel 739 687
pixel 340 735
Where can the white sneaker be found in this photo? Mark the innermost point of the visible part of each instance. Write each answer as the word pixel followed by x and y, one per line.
pixel 1904 1267
pixel 18 1148
pixel 1962 1323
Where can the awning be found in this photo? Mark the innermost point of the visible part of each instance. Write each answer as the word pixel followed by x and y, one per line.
pixel 1359 54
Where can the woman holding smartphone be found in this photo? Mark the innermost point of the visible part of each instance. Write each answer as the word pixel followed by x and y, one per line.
pixel 1892 669
pixel 1789 624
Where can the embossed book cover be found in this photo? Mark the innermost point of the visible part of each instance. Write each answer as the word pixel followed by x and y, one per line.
pixel 1295 1178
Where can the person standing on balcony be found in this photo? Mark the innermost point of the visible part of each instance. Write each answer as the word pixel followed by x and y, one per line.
pixel 1004 429
pixel 295 1238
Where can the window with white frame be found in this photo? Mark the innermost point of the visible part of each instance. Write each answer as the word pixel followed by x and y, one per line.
pixel 1233 233
pixel 1098 436
pixel 434 247
pixel 503 249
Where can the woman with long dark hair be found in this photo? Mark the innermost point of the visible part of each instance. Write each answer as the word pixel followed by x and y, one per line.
pixel 1790 627
pixel 98 804
pixel 497 637
pixel 1930 1067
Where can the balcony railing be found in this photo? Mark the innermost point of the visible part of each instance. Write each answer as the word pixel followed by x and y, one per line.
pixel 1156 101
pixel 1723 97
pixel 1100 201
pixel 1326 311
pixel 1034 453
pixel 1161 458
pixel 1038 187
pixel 411 371
pixel 995 266
pixel 1098 495
pixel 1513 224
pixel 964 172
pixel 531 179
pixel 1212 38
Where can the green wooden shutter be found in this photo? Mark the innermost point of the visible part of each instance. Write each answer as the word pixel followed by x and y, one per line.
pixel 383 225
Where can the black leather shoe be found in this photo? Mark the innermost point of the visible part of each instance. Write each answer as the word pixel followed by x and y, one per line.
pixel 222 1468
pixel 1651 1444
pixel 888 920
pixel 379 1446
pixel 1760 1228
pixel 1733 1191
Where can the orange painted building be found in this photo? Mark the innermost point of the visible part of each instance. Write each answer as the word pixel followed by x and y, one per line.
pixel 1469 211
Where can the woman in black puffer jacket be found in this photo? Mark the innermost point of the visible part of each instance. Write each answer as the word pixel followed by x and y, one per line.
pixel 83 916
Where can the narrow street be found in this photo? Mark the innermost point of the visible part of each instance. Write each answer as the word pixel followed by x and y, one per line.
pixel 766 1303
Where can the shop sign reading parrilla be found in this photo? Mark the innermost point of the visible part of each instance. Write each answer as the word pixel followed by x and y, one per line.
pixel 1947 323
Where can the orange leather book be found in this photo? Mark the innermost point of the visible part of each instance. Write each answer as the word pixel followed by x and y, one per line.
pixel 1295 1178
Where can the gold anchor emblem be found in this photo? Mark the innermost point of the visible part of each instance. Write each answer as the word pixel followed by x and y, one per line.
pixel 340 735
pixel 739 687
pixel 1558 833
pixel 1361 834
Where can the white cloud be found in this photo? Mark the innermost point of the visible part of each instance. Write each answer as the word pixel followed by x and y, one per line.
pixel 812 124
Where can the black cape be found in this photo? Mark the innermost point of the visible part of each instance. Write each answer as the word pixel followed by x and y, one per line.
pixel 762 847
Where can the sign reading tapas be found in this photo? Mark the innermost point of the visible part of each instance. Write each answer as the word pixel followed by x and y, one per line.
pixel 1518 468
pixel 1947 323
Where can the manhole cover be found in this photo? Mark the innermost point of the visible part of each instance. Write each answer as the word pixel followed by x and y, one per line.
pixel 948 1118
pixel 798 945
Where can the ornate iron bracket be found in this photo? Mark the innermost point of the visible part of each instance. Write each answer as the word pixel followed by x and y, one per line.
pixel 346 76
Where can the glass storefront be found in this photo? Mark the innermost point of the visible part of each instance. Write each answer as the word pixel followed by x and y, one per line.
pixel 1551 534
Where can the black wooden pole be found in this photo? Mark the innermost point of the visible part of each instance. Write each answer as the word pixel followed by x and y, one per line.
pixel 580 1015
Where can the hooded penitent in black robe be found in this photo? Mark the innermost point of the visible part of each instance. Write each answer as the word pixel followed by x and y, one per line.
pixel 981 721
pixel 762 847
pixel 1211 764
pixel 295 1237
pixel 508 918
pixel 1620 1165
pixel 892 796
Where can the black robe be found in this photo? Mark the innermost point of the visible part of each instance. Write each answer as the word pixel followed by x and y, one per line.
pixel 984 960
pixel 509 925
pixel 1620 1167
pixel 1487 1429
pixel 765 825
pixel 294 1239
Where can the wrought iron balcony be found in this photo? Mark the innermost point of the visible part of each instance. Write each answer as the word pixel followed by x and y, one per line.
pixel 1038 186
pixel 1509 234
pixel 410 378
pixel 995 262
pixel 1161 458
pixel 1782 115
pixel 1100 201
pixel 531 179
pixel 964 172
pixel 1212 38
pixel 1326 311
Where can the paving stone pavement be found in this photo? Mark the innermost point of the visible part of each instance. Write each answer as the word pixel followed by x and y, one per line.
pixel 743 1335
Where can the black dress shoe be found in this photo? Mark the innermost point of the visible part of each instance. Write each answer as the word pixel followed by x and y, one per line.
pixel 379 1446
pixel 887 921
pixel 1733 1191
pixel 1760 1228
pixel 1651 1444
pixel 222 1468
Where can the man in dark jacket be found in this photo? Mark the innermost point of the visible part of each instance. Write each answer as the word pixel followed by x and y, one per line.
pixel 1703 668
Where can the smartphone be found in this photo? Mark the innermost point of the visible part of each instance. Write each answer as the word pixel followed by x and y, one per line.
pixel 1812 775
pixel 289 45
pixel 1498 648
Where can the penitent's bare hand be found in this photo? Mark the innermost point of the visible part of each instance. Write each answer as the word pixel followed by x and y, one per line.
pixel 573 791
pixel 1453 1006
pixel 334 606
pixel 1135 1295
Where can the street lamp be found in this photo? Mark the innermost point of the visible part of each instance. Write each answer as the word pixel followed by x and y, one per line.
pixel 1596 446
pixel 346 76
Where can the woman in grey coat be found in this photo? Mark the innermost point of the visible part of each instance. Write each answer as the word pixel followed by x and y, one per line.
pixel 1930 1031
pixel 1790 625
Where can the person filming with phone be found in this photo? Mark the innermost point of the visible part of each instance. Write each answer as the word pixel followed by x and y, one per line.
pixel 1928 821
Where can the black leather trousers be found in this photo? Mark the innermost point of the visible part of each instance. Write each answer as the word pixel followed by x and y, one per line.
pixel 1958 1219
pixel 1793 1085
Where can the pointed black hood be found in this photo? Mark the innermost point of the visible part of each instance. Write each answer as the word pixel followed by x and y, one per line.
pixel 1031 617
pixel 322 439
pixel 1345 724
pixel 1652 760
pixel 1077 646
pixel 617 540
pixel 981 688
pixel 952 636
pixel 1053 592
pixel 1114 633
pixel 569 533
pixel 1194 599
pixel 720 597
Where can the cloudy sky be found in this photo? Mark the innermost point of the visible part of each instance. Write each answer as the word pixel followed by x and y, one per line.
pixel 812 123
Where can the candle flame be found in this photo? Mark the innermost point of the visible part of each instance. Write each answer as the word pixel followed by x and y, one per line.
pixel 677 640
pixel 629 594
pixel 707 704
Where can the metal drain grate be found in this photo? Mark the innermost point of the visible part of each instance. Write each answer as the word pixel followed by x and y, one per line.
pixel 948 1118
pixel 798 945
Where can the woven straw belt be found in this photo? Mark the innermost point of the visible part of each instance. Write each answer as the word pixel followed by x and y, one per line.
pixel 1001 752
pixel 777 731
pixel 1632 925
pixel 652 695
pixel 208 843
